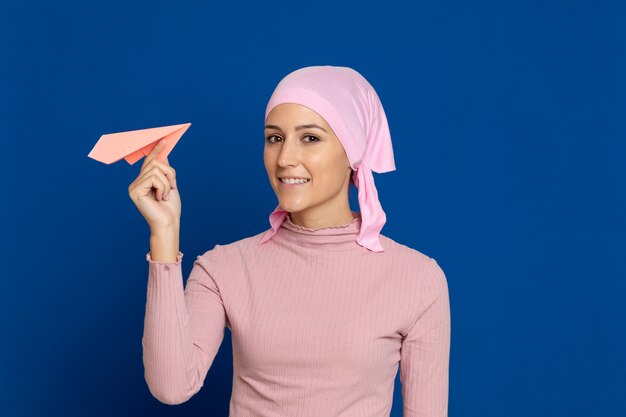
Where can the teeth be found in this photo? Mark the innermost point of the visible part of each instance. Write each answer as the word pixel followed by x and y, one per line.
pixel 293 180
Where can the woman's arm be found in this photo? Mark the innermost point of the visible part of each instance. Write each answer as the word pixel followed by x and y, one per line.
pixel 425 352
pixel 183 329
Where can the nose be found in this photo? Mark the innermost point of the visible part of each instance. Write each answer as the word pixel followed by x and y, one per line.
pixel 289 154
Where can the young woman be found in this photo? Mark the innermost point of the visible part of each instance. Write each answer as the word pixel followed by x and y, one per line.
pixel 322 308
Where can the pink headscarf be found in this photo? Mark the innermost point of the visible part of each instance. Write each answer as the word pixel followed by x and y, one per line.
pixel 351 107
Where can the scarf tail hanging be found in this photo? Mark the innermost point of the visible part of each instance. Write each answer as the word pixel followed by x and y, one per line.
pixel 373 216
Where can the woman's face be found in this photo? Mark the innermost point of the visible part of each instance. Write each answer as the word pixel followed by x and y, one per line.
pixel 300 144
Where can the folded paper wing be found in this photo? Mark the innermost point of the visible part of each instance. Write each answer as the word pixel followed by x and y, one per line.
pixel 135 144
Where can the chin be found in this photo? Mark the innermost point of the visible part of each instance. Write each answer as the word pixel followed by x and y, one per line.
pixel 291 207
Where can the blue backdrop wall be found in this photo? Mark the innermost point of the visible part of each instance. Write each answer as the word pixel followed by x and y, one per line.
pixel 507 120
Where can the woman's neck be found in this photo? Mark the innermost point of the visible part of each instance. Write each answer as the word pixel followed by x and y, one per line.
pixel 314 221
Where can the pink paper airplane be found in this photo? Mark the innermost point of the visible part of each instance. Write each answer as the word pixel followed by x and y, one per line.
pixel 135 144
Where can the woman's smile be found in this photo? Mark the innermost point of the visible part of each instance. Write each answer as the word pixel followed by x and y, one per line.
pixel 293 183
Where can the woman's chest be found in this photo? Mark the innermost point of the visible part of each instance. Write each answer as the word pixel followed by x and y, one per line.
pixel 330 321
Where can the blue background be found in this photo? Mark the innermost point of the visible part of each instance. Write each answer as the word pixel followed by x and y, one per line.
pixel 507 120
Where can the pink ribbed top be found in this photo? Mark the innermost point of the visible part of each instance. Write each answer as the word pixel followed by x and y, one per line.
pixel 319 325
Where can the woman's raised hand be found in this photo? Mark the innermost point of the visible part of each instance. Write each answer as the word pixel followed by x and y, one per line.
pixel 155 193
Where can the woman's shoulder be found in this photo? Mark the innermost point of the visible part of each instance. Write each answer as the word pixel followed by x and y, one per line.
pixel 400 250
pixel 411 258
pixel 239 247
pixel 414 265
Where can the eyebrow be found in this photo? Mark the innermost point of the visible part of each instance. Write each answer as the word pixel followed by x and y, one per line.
pixel 309 126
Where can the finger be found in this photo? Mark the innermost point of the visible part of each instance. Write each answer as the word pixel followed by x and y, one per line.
pixel 145 186
pixel 166 184
pixel 157 180
pixel 168 171
pixel 154 152
pixel 163 189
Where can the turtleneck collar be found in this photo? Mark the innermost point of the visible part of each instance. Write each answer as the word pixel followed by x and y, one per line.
pixel 333 237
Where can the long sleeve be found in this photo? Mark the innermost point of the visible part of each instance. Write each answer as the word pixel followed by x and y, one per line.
pixel 183 329
pixel 425 352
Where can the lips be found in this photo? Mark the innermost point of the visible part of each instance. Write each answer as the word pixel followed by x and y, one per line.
pixel 294 184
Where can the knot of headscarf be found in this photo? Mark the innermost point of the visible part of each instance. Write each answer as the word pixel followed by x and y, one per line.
pixel 352 108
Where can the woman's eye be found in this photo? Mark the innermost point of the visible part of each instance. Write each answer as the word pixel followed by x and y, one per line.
pixel 269 138
pixel 314 137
